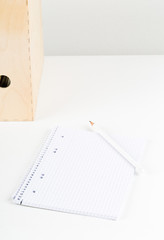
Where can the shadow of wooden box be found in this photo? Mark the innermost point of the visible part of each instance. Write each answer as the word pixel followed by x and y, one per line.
pixel 21 58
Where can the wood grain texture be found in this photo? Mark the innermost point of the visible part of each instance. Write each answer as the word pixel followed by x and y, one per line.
pixel 17 57
pixel 36 46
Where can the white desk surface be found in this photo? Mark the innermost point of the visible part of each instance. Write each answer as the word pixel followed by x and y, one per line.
pixel 124 94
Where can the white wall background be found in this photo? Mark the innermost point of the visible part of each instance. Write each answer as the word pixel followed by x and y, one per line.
pixel 102 27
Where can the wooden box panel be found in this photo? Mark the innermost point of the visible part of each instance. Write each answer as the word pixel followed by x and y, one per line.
pixel 21 58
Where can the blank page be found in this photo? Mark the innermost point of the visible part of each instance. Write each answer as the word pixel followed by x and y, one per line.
pixel 79 172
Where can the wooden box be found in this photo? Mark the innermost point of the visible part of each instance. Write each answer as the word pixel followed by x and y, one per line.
pixel 21 58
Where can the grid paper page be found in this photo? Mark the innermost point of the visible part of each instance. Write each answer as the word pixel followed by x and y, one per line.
pixel 79 172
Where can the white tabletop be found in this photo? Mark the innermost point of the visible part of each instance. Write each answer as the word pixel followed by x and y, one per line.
pixel 124 94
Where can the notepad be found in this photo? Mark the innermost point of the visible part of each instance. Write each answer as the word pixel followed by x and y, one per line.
pixel 78 172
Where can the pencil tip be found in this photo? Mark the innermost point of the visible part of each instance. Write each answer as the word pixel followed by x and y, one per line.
pixel 92 123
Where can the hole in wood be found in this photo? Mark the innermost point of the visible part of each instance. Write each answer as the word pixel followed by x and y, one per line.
pixel 4 81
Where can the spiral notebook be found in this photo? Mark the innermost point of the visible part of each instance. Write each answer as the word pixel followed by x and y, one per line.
pixel 78 172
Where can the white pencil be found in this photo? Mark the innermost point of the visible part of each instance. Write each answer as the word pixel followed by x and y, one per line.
pixel 117 147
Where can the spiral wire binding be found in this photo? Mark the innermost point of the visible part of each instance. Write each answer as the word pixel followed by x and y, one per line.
pixel 18 196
